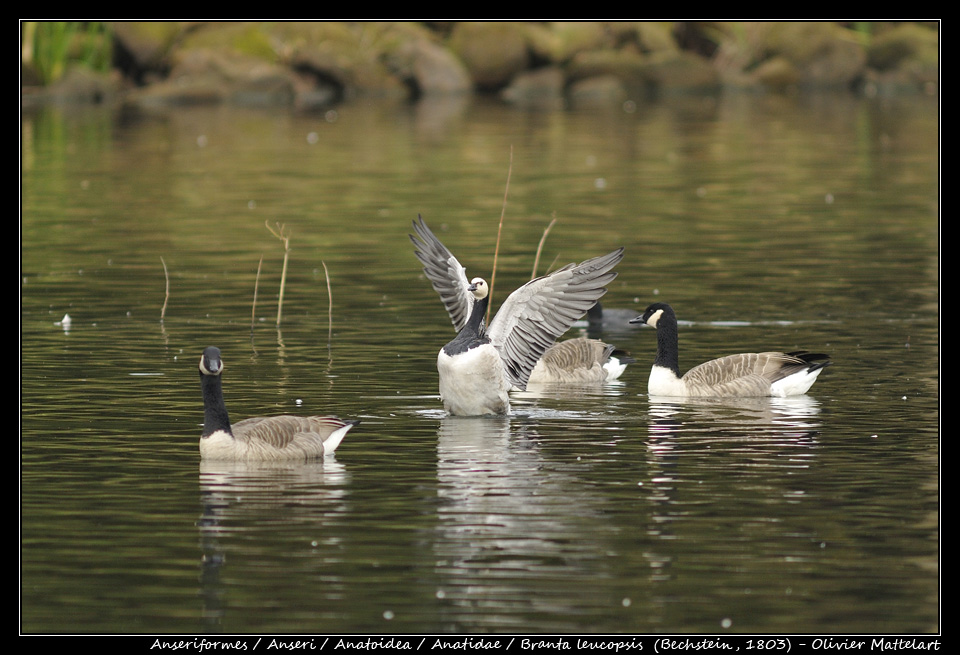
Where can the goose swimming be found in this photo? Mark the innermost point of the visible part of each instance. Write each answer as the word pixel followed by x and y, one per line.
pixel 259 439
pixel 743 376
pixel 579 362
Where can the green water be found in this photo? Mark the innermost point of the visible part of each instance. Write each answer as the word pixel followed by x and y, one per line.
pixel 768 223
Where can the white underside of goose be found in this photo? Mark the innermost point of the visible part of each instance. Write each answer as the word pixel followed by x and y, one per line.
pixel 794 385
pixel 473 383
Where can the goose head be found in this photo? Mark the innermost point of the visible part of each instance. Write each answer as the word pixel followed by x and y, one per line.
pixel 478 287
pixel 652 314
pixel 210 362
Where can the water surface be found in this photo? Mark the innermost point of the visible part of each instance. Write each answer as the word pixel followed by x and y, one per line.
pixel 768 223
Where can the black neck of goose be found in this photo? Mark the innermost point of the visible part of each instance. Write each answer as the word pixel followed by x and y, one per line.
pixel 668 342
pixel 473 333
pixel 215 415
pixel 478 317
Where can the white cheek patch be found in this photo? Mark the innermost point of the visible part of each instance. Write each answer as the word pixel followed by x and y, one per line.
pixel 212 370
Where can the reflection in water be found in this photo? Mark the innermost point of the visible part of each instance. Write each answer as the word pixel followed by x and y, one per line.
pixel 505 525
pixel 796 411
pixel 757 427
pixel 242 495
pixel 696 447
pixel 565 392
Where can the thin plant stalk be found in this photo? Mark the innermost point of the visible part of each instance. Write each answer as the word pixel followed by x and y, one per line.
pixel 166 297
pixel 256 287
pixel 326 274
pixel 496 251
pixel 281 234
pixel 536 260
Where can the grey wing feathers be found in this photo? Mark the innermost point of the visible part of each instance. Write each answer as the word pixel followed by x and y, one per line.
pixel 303 433
pixel 748 373
pixel 577 353
pixel 445 273
pixel 534 315
pixel 575 361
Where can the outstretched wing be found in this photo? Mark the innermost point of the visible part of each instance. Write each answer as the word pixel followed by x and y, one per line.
pixel 445 273
pixel 534 315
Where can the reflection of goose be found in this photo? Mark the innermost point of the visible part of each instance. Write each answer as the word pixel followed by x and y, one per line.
pixel 272 499
pixel 480 366
pixel 754 412
pixel 744 375
pixel 270 438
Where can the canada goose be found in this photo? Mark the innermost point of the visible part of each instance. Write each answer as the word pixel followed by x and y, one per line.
pixel 259 439
pixel 480 366
pixel 605 318
pixel 579 361
pixel 745 375
pixel 606 322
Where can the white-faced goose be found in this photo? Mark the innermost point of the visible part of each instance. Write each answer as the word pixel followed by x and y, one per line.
pixel 481 365
pixel 744 375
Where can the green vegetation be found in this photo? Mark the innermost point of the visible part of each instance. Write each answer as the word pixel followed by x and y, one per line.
pixel 51 47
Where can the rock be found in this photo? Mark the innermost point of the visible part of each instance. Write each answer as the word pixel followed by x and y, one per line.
pixel 313 64
pixel 626 65
pixel 492 52
pixel 778 74
pixel 144 46
pixel 540 88
pixel 901 44
pixel 681 70
pixel 430 69
pixel 816 54
pixel 600 90
pixel 207 76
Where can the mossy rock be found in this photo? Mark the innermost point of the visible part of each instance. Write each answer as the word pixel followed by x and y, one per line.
pixel 493 52
pixel 626 65
pixel 902 44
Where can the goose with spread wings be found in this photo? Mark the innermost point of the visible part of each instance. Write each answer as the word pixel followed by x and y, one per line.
pixel 483 363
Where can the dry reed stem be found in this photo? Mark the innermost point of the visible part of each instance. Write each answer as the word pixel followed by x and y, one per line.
pixel 166 297
pixel 536 260
pixel 256 287
pixel 281 234
pixel 326 274
pixel 496 252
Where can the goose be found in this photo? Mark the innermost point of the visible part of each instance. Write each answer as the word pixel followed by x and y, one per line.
pixel 479 367
pixel 603 322
pixel 260 439
pixel 745 375
pixel 580 361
